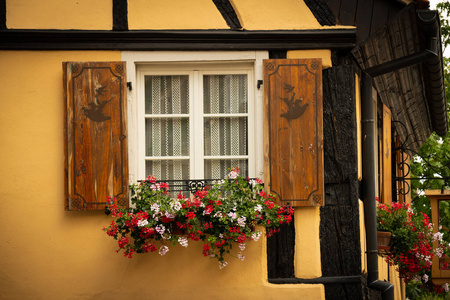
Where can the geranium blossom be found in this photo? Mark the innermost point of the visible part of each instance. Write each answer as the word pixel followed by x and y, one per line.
pixel 142 223
pixel 163 250
pixel 183 241
pixel 220 216
pixel 411 248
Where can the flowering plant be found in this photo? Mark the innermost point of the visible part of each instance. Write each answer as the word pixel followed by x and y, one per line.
pixel 411 244
pixel 220 216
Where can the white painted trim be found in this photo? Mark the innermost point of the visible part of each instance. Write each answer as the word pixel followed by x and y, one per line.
pixel 139 61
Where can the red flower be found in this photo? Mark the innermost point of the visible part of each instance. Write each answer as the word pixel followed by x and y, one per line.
pixel 123 241
pixel 190 215
pixel 241 238
pixel 206 249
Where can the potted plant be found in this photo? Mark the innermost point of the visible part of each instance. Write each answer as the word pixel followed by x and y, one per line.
pixel 411 242
pixel 221 216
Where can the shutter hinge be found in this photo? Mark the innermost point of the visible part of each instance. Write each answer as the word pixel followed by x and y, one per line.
pixel 129 86
pixel 259 83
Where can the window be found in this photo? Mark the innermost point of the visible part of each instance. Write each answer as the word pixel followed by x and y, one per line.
pixel 195 119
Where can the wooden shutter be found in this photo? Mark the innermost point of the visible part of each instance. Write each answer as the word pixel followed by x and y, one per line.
pixel 96 160
pixel 386 157
pixel 293 134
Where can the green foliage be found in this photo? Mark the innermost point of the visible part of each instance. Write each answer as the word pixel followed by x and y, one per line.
pixel 221 216
pixel 433 158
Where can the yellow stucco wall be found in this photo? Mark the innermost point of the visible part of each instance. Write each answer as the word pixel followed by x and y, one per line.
pixel 155 14
pixel 269 14
pixel 307 244
pixel 49 253
pixel 59 14
pixel 325 54
pixel 174 14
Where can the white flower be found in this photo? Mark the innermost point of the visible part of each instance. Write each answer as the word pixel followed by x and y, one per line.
pixel 232 175
pixel 425 278
pixel 221 235
pixel 175 205
pixel 256 235
pixel 183 241
pixel 169 216
pixel 155 187
pixel 241 257
pixel 163 250
pixel 222 264
pixel 160 229
pixel 258 207
pixel 232 215
pixel 142 223
pixel 242 246
pixel 241 221
pixel 218 214
pixel 438 236
pixel 155 208
pixel 445 286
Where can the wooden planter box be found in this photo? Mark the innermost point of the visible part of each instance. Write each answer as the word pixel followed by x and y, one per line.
pixel 384 239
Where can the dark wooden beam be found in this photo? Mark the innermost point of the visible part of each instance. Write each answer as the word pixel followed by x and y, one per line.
pixel 2 14
pixel 322 12
pixel 228 13
pixel 177 39
pixel 120 15
pixel 339 218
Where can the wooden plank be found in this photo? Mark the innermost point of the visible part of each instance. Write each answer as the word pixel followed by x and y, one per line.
pixel 364 19
pixel 96 160
pixel 347 12
pixel 386 156
pixel 293 144
pixel 379 14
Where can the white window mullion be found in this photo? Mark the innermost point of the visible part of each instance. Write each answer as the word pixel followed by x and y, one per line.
pixel 141 126
pixel 251 127
pixel 197 128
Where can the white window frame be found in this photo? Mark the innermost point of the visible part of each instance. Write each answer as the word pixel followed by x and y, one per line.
pixel 198 62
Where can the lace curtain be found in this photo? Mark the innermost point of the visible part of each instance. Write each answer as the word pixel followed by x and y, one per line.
pixel 167 123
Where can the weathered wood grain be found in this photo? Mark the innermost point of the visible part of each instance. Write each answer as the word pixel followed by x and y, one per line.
pixel 339 218
pixel 96 160
pixel 293 144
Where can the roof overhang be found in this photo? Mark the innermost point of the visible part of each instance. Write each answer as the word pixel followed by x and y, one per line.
pixel 405 59
pixel 151 40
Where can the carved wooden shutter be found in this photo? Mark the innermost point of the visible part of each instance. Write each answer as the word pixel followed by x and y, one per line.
pixel 96 160
pixel 293 131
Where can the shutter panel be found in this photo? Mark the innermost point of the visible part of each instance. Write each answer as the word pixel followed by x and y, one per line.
pixel 293 130
pixel 386 157
pixel 96 160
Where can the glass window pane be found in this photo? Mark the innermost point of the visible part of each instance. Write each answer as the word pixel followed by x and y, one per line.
pixel 167 169
pixel 218 168
pixel 225 136
pixel 167 94
pixel 167 137
pixel 225 94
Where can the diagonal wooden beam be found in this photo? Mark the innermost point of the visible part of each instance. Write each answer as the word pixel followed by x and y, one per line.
pixel 228 13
